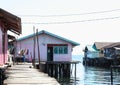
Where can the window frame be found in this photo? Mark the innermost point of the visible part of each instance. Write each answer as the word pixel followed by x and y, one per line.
pixel 60 49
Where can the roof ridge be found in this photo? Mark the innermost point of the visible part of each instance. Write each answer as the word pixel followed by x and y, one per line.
pixel 51 34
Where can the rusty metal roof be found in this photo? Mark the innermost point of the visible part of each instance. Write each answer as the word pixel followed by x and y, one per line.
pixel 100 45
pixel 11 22
pixel 113 45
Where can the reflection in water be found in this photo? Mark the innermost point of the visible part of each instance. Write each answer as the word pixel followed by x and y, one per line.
pixel 90 76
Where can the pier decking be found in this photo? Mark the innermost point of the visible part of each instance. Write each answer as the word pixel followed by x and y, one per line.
pixel 22 74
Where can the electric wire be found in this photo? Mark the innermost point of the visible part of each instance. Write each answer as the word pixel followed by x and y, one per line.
pixel 97 19
pixel 62 15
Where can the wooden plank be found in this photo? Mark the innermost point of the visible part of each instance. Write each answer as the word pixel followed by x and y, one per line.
pixel 24 75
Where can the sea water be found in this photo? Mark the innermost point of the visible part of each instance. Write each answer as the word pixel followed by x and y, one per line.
pixel 87 75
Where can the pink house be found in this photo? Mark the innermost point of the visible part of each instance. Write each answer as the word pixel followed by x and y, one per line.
pixel 52 47
pixel 10 22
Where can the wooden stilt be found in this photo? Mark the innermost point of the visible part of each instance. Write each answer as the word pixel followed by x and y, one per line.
pixel 56 71
pixel 15 54
pixel 75 69
pixel 60 72
pixel 34 48
pixel 59 69
pixel 31 56
pixel 38 48
pixel 111 76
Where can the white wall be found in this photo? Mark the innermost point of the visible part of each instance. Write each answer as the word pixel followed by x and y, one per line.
pixel 43 41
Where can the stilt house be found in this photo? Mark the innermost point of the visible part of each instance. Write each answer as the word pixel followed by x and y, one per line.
pixel 10 22
pixel 52 47
pixel 95 50
pixel 112 50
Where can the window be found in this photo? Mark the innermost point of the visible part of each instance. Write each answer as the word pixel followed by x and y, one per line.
pixel 60 49
pixel 56 50
pixel 65 49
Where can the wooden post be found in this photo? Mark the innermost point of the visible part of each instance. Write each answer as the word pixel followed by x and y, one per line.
pixel 85 53
pixel 56 70
pixel 3 43
pixel 69 66
pixel 111 76
pixel 75 70
pixel 71 69
pixel 34 47
pixel 38 48
pixel 48 69
pixel 60 73
pixel 52 69
pixel 31 56
pixel 15 54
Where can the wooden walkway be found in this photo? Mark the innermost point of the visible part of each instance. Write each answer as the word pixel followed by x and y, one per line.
pixel 22 74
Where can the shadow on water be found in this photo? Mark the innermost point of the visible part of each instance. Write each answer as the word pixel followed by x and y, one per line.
pixel 89 76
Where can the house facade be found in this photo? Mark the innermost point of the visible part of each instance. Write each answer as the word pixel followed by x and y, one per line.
pixel 10 22
pixel 98 47
pixel 94 55
pixel 3 45
pixel 90 52
pixel 112 50
pixel 51 47
pixel 95 50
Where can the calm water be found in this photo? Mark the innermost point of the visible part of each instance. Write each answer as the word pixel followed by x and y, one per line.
pixel 90 76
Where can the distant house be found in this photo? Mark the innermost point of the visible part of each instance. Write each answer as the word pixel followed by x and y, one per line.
pixel 99 45
pixel 95 50
pixel 112 50
pixel 52 47
pixel 103 54
pixel 9 22
pixel 91 52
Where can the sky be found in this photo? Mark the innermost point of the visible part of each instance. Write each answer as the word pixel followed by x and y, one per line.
pixel 83 21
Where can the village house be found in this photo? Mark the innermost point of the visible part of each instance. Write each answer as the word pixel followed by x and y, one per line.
pixel 9 22
pixel 51 47
pixel 95 50
pixel 112 50
pixel 91 52
pixel 94 54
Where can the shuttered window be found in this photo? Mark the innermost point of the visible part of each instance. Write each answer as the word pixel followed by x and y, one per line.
pixel 55 50
pixel 65 49
pixel 60 49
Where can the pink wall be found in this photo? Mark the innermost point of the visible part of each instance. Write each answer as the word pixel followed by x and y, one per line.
pixel 3 56
pixel 1 52
pixel 6 48
pixel 43 41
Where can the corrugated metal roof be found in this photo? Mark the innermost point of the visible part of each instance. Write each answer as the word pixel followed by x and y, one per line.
pixel 51 34
pixel 113 45
pixel 100 45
